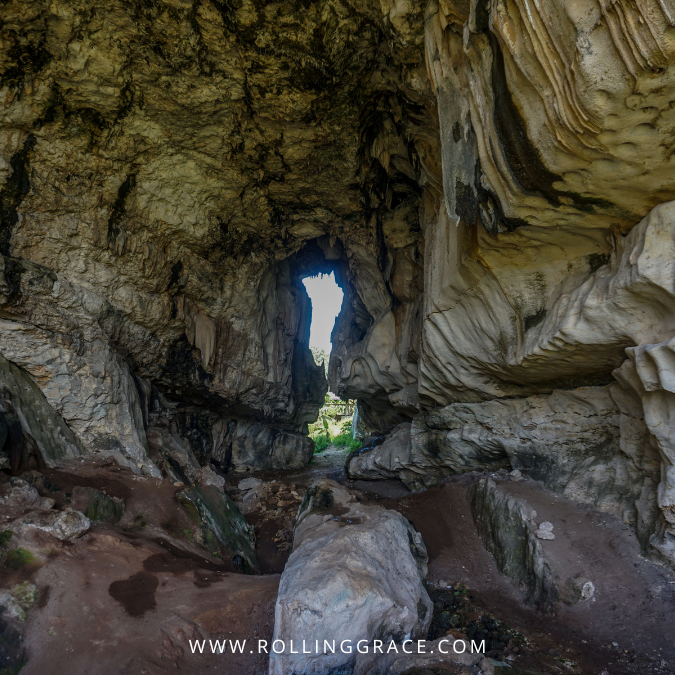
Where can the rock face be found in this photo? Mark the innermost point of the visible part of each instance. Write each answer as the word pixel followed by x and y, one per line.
pixel 589 444
pixel 97 505
pixel 507 527
pixel 490 182
pixel 224 528
pixel 29 420
pixel 356 572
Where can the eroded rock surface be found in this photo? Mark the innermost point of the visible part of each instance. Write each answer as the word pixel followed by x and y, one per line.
pixel 490 182
pixel 590 444
pixel 356 571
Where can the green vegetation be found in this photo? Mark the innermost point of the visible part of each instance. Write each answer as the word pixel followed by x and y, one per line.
pixel 334 426
pixel 320 443
pixel 17 559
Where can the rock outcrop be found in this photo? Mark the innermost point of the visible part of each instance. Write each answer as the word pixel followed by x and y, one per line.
pixel 31 426
pixel 589 444
pixel 507 527
pixel 356 572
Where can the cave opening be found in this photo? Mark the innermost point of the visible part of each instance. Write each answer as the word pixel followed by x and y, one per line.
pixel 326 298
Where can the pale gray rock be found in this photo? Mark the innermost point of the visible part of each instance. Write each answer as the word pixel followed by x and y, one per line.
pixel 547 535
pixel 18 599
pixel 19 497
pixel 650 373
pixel 207 476
pixel 356 573
pixel 251 501
pixel 53 436
pixel 249 483
pixel 590 444
pixel 509 233
pixel 54 335
pixel 385 460
pixel 64 525
pixel 578 589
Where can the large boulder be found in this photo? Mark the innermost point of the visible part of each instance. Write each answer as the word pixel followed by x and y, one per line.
pixel 98 506
pixel 356 573
pixel 384 460
pixel 64 525
pixel 22 400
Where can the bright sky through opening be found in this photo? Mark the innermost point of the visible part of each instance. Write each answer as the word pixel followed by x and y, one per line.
pixel 326 297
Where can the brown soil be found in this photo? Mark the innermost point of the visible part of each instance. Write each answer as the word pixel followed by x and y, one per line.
pixel 633 607
pixel 107 614
pixel 128 599
pixel 634 602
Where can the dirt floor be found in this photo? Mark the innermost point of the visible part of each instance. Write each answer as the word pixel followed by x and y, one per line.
pixel 127 599
pixel 626 628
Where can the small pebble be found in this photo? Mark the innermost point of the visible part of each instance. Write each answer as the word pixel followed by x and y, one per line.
pixel 178 484
pixel 545 534
pixel 442 583
pixel 546 526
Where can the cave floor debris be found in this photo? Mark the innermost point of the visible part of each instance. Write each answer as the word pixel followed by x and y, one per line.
pixel 127 598
pixel 586 638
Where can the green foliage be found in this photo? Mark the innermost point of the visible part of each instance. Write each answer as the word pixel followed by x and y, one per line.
pixel 344 438
pixel 346 426
pixel 5 537
pixel 354 444
pixel 18 558
pixel 320 444
pixel 329 431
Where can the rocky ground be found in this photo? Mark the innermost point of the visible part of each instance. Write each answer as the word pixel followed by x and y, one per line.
pixel 128 597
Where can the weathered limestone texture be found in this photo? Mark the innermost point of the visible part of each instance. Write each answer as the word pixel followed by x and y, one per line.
pixel 383 461
pixel 21 398
pixel 491 183
pixel 589 444
pixel 356 571
pixel 650 371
